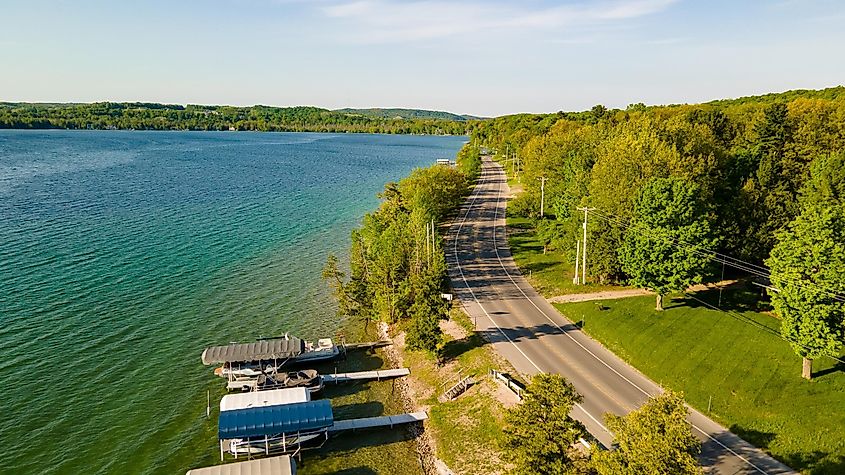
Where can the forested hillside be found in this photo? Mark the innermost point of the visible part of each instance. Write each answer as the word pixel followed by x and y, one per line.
pixel 394 113
pixel 747 160
pixel 150 116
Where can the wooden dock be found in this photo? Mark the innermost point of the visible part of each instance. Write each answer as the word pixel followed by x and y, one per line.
pixel 366 345
pixel 366 375
pixel 381 421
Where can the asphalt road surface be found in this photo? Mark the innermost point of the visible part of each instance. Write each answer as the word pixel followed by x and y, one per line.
pixel 534 337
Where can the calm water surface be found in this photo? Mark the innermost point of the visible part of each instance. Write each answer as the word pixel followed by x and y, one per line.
pixel 123 254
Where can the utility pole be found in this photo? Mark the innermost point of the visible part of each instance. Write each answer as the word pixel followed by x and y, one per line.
pixel 542 195
pixel 584 247
pixel 577 258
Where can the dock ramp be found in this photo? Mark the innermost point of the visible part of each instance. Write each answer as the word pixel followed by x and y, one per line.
pixel 381 421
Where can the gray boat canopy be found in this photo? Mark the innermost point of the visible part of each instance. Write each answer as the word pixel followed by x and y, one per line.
pixel 282 465
pixel 277 348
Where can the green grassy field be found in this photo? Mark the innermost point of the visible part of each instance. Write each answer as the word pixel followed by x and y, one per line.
pixel 751 374
pixel 467 431
pixel 550 273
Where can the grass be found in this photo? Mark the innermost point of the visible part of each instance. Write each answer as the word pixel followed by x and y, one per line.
pixel 550 273
pixel 467 430
pixel 751 374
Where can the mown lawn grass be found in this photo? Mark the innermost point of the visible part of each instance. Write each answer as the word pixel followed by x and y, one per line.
pixel 468 430
pixel 550 273
pixel 751 374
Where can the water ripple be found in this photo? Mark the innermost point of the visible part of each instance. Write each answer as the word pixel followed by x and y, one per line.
pixel 123 254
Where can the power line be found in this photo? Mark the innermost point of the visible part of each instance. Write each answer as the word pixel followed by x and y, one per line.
pixel 755 323
pixel 725 259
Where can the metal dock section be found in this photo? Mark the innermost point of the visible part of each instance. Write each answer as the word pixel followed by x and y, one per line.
pixel 366 375
pixel 381 421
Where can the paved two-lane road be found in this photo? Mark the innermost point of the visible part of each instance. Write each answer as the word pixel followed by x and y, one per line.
pixel 535 337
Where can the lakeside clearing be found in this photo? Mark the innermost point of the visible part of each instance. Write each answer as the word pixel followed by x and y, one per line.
pixel 461 435
pixel 466 431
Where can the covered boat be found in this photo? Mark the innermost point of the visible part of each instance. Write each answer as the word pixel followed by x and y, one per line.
pixel 306 378
pixel 280 465
pixel 267 356
pixel 274 429
pixel 275 397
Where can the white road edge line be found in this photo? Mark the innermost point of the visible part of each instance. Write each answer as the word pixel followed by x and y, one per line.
pixel 466 284
pixel 496 247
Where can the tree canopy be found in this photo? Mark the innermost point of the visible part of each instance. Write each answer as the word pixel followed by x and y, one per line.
pixel 539 432
pixel 665 249
pixel 397 268
pixel 656 439
pixel 749 158
pixel 806 268
pixel 150 116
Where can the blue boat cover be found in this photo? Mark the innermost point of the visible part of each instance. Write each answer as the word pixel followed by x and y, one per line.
pixel 272 420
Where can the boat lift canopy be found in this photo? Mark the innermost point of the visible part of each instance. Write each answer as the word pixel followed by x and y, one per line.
pixel 273 420
pixel 277 348
pixel 274 397
pixel 281 465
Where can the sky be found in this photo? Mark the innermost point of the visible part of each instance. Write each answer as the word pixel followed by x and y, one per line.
pixel 481 57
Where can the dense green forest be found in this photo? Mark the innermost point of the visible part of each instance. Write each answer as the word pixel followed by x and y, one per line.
pixel 747 158
pixel 151 116
pixel 678 194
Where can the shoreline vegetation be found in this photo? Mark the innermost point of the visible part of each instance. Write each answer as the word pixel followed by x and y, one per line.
pixel 397 273
pixel 152 116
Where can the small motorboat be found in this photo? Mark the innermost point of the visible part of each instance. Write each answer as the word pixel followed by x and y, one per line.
pixel 306 378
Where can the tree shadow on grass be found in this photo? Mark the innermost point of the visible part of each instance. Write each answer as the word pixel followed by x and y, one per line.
pixel 456 348
pixel 734 298
pixel 755 437
pixel 816 463
pixel 537 266
pixel 839 367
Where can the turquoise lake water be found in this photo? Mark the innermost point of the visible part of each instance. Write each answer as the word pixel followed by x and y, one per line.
pixel 124 253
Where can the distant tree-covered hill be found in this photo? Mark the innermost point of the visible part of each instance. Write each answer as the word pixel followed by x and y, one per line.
pixel 152 116
pixel 397 113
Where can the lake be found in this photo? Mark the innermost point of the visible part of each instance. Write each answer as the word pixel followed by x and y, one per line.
pixel 124 253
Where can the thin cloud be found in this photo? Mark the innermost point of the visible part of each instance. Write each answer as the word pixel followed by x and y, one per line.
pixel 382 21
pixel 665 41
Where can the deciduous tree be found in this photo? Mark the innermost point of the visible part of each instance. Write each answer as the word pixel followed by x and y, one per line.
pixel 808 269
pixel 665 248
pixel 656 439
pixel 539 432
